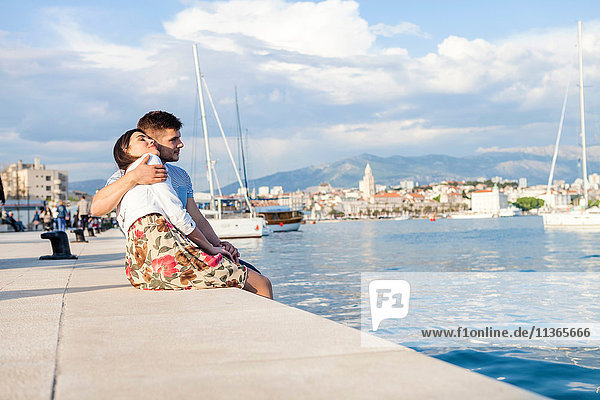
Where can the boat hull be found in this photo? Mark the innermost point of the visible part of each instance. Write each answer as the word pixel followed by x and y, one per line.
pixel 284 227
pixel 572 220
pixel 235 228
pixel 471 216
pixel 283 221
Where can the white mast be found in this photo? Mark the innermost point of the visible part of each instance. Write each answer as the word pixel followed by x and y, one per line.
pixel 560 127
pixel 237 174
pixel 582 108
pixel 204 129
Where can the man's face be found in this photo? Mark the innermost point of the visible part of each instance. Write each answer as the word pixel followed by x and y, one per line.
pixel 169 144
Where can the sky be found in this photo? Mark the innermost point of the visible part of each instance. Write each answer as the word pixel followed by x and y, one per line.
pixel 317 81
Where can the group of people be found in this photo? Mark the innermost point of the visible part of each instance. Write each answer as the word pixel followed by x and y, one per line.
pixel 14 223
pixel 170 244
pixel 60 218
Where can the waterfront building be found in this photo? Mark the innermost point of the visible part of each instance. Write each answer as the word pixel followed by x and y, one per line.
pixel 408 185
pixel 522 182
pixel 388 201
pixel 367 184
pixel 488 201
pixel 594 181
pixel 276 191
pixel 354 208
pixel 556 200
pixel 263 190
pixel 35 182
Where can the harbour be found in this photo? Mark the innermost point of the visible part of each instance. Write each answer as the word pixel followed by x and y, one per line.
pixel 320 266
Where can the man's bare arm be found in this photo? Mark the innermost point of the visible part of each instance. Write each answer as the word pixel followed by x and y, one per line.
pixel 108 198
pixel 204 226
pixel 201 223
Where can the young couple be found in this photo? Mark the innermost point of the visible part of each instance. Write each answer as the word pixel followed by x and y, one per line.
pixel 170 245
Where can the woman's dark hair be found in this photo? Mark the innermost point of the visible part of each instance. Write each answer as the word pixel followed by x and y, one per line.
pixel 122 158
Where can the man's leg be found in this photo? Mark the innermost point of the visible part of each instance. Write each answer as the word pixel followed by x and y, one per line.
pixel 62 224
pixel 248 265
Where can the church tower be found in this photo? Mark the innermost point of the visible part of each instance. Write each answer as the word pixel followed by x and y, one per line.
pixel 367 184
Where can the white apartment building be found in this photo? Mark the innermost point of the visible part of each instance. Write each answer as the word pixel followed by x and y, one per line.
pixel 594 181
pixel 488 201
pixel 408 185
pixel 276 191
pixel 263 190
pixel 35 182
pixel 522 182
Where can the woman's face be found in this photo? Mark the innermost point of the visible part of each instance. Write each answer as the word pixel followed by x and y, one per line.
pixel 140 144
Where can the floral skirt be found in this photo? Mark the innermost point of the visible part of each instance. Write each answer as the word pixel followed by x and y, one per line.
pixel 160 257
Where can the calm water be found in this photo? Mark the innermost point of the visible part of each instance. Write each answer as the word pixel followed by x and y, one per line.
pixel 318 269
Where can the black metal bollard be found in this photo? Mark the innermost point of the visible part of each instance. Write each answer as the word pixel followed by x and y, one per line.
pixel 60 246
pixel 91 232
pixel 79 237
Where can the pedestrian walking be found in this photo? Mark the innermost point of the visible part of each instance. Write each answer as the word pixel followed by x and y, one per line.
pixel 61 216
pixel 36 220
pixel 83 208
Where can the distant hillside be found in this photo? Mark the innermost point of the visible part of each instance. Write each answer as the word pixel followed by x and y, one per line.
pixel 508 163
pixel 89 186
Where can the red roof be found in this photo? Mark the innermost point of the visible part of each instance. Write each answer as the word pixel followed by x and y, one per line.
pixel 386 194
pixel 482 191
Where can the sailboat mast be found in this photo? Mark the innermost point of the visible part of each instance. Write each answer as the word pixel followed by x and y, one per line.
pixel 582 108
pixel 560 128
pixel 204 129
pixel 237 110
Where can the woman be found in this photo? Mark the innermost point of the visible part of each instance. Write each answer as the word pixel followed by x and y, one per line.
pixel 47 219
pixel 36 220
pixel 165 250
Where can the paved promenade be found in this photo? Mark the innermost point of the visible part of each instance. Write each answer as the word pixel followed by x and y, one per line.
pixel 76 329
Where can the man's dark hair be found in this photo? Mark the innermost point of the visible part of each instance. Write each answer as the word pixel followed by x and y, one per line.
pixel 157 121
pixel 122 158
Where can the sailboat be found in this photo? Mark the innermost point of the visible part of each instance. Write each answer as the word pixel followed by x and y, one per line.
pixel 582 216
pixel 226 225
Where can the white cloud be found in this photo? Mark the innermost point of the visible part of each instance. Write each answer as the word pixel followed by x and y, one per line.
pixel 92 49
pixel 393 133
pixel 403 28
pixel 342 84
pixel 313 79
pixel 330 28
pixel 275 95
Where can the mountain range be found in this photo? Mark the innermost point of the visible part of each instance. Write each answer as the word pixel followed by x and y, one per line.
pixel 532 163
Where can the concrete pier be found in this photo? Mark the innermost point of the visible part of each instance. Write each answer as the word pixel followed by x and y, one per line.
pixel 76 329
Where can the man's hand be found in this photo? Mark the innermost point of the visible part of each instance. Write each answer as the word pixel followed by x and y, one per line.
pixel 146 174
pixel 232 250
pixel 225 253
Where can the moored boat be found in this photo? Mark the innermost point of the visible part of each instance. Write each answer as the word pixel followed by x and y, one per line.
pixel 281 219
pixel 582 217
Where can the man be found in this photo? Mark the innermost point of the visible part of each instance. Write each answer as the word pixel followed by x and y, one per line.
pixel 164 128
pixel 61 216
pixel 16 225
pixel 83 209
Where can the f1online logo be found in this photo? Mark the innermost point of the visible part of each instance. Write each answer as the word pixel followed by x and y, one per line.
pixel 388 298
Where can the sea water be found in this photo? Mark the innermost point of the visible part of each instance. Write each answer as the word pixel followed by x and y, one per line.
pixel 318 269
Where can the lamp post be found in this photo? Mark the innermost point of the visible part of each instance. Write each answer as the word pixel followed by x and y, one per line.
pixel 28 208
